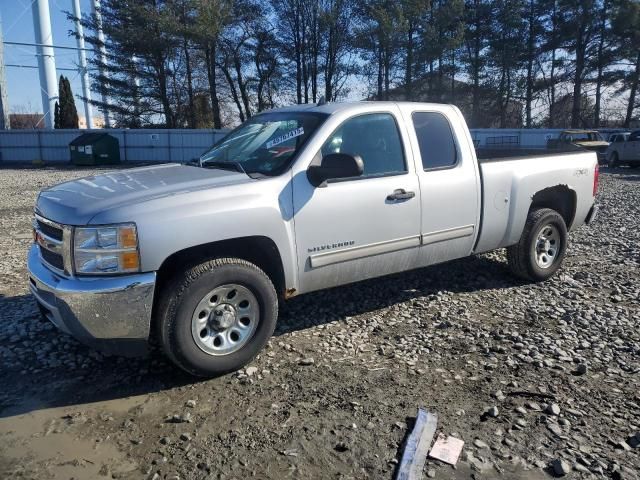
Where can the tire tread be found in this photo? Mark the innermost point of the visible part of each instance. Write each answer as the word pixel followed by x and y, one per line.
pixel 518 254
pixel 175 290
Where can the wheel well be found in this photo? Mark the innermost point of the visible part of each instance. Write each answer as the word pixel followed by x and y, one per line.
pixel 261 251
pixel 559 198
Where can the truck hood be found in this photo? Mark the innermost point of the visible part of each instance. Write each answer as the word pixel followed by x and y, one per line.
pixel 591 144
pixel 78 201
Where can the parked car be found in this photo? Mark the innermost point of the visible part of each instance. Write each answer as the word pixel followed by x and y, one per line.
pixel 294 200
pixel 618 137
pixel 624 150
pixel 587 139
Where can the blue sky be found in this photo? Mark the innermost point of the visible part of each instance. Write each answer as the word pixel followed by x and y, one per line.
pixel 23 86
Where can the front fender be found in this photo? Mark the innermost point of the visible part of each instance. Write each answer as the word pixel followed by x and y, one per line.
pixel 170 224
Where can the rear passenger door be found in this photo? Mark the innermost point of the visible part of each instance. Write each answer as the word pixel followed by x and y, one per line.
pixel 449 183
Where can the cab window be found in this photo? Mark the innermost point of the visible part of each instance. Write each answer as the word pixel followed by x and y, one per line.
pixel 435 139
pixel 375 138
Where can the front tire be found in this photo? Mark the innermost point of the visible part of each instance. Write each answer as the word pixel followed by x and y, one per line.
pixel 542 247
pixel 214 318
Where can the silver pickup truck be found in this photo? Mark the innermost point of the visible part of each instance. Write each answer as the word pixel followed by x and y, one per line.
pixel 294 200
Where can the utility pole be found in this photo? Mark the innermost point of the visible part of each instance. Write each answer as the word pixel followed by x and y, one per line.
pixel 82 59
pixel 5 123
pixel 46 59
pixel 102 52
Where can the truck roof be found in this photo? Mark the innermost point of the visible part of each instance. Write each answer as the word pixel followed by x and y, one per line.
pixel 332 107
pixel 580 131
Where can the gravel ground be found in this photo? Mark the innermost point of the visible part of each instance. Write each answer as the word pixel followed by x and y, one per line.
pixel 538 380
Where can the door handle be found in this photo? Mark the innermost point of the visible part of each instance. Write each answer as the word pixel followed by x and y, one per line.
pixel 400 194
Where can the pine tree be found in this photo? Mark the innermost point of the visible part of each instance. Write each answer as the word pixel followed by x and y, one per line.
pixel 65 114
pixel 56 116
pixel 626 27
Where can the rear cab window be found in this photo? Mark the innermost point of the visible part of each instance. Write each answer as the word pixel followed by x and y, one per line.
pixel 435 139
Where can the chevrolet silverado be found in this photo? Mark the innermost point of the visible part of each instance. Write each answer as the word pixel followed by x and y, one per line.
pixel 294 200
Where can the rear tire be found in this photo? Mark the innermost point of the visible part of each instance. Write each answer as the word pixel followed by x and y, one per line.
pixel 214 318
pixel 613 163
pixel 542 246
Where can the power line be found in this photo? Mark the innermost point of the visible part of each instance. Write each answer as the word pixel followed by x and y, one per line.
pixel 63 47
pixel 34 66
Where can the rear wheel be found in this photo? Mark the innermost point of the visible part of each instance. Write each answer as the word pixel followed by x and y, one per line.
pixel 613 163
pixel 542 246
pixel 217 316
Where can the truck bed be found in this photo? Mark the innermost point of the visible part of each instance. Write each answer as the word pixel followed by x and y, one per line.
pixel 486 155
pixel 511 177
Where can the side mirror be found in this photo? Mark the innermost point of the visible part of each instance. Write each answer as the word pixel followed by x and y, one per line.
pixel 333 166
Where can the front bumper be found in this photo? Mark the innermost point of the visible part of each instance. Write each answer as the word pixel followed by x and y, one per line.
pixel 111 314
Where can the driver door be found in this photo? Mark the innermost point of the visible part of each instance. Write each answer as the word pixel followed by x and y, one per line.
pixel 354 228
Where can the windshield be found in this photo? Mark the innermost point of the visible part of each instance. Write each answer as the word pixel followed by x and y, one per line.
pixel 585 137
pixel 266 144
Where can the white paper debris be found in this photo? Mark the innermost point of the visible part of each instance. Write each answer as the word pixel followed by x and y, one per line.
pixel 447 449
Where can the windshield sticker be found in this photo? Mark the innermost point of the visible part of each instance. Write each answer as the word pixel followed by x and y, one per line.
pixel 287 136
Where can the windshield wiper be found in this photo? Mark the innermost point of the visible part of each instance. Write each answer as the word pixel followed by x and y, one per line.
pixel 237 166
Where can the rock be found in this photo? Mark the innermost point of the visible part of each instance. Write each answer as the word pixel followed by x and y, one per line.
pixel 493 411
pixel 581 468
pixel 190 403
pixel 185 437
pixel 165 440
pixel 560 467
pixel 533 406
pixel 553 409
pixel 520 423
pixel 431 473
pixel 477 464
pixel 621 444
pixel 306 361
pixel 555 429
pixel 250 371
pixel 341 447
pixel 480 444
pixel 498 395
pixel 581 369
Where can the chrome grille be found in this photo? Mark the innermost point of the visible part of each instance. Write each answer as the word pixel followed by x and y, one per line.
pixel 52 259
pixel 49 229
pixel 53 241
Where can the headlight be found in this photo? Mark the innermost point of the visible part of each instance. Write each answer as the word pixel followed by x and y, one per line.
pixel 106 250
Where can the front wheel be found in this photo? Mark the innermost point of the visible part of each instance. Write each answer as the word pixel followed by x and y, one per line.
pixel 214 318
pixel 542 246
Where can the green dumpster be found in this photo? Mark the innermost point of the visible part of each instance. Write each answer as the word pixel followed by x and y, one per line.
pixel 95 149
